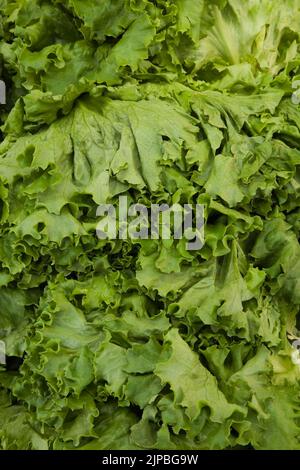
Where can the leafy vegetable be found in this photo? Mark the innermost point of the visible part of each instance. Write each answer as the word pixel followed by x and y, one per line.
pixel 142 344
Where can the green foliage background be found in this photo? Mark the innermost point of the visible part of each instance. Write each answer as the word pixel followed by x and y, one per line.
pixel 143 344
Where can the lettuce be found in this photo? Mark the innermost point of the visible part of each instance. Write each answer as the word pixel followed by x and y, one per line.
pixel 142 344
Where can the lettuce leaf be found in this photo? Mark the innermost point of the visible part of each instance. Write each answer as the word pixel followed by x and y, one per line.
pixel 142 344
